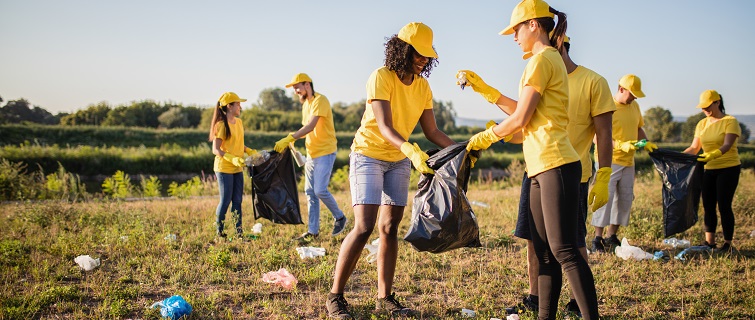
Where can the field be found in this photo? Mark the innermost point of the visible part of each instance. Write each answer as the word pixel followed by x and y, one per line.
pixel 222 280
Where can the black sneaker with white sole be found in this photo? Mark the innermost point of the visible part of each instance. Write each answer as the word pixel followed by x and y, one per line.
pixel 339 225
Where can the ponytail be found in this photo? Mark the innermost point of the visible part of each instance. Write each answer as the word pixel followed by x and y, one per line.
pixel 558 35
pixel 721 105
pixel 220 114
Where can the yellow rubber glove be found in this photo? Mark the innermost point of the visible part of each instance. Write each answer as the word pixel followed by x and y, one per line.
pixel 708 156
pixel 650 147
pixel 282 144
pixel 598 196
pixel 490 123
pixel 417 156
pixel 250 152
pixel 625 146
pixel 489 93
pixel 483 140
pixel 236 161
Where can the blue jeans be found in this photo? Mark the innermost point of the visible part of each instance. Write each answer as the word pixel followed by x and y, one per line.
pixel 231 187
pixel 317 174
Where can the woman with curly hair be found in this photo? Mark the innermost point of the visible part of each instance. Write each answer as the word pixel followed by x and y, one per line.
pixel 398 97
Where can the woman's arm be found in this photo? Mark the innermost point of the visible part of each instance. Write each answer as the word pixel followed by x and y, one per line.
pixel 604 138
pixel 506 104
pixel 729 140
pixel 431 131
pixel 384 118
pixel 693 148
pixel 523 112
pixel 216 147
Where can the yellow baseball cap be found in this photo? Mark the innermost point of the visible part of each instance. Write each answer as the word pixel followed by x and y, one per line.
pixel 707 98
pixel 299 77
pixel 633 84
pixel 526 10
pixel 420 36
pixel 228 98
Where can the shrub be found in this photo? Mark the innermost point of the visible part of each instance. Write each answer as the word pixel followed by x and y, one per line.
pixel 118 186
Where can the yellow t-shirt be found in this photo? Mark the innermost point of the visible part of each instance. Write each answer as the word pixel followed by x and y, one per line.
pixel 546 143
pixel 322 139
pixel 589 96
pixel 627 120
pixel 407 105
pixel 711 136
pixel 233 145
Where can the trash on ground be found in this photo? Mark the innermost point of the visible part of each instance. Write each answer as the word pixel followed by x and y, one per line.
pixel 467 313
pixel 281 277
pixel 676 243
pixel 479 204
pixel 86 262
pixel 310 252
pixel 752 234
pixel 257 228
pixel 626 251
pixel 174 307
pixel 124 238
pixel 512 317
pixel 170 237
pixel 661 255
pixel 373 249
pixel 689 252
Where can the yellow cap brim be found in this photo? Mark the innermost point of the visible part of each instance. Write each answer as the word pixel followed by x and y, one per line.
pixel 638 94
pixel 704 105
pixel 291 84
pixel 428 52
pixel 509 30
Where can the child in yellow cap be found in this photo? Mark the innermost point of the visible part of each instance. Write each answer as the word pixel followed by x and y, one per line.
pixel 539 120
pixel 717 135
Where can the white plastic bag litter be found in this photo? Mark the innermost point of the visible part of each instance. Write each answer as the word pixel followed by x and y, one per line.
pixel 86 262
pixel 281 277
pixel 626 251
pixel 257 228
pixel 373 249
pixel 310 252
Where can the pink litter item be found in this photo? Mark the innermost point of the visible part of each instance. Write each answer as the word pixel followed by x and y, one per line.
pixel 281 277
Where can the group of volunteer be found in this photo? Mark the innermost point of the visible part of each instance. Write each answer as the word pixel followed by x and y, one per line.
pixel 562 109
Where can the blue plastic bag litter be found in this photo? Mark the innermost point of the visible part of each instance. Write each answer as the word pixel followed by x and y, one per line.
pixel 174 307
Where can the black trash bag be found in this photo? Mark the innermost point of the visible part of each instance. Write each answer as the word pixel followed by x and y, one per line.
pixel 274 193
pixel 442 218
pixel 682 177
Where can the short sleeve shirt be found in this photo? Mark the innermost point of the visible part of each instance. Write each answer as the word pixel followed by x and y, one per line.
pixel 627 120
pixel 322 139
pixel 712 135
pixel 407 105
pixel 589 96
pixel 233 145
pixel 546 142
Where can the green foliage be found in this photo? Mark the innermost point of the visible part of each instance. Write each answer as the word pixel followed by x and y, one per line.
pixel 275 99
pixel 15 183
pixel 745 137
pixel 150 186
pixel 18 111
pixel 688 127
pixel 174 118
pixel 339 181
pixel 93 114
pixel 660 126
pixel 64 185
pixel 118 186
pixel 12 253
pixel 192 187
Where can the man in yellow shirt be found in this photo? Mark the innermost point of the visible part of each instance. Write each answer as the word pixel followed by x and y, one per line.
pixel 627 130
pixel 320 133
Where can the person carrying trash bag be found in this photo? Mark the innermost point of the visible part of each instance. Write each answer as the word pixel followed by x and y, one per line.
pixel 442 218
pixel 398 97
pixel 227 137
pixel 320 133
pixel 539 121
pixel 717 135
pixel 626 131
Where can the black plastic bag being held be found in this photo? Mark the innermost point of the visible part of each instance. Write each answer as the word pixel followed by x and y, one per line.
pixel 442 218
pixel 682 177
pixel 274 193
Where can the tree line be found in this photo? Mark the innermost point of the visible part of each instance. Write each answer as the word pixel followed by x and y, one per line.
pixel 274 110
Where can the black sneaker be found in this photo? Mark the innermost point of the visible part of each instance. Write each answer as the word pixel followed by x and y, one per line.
pixel 710 245
pixel 527 304
pixel 337 307
pixel 392 306
pixel 725 248
pixel 339 225
pixel 597 245
pixel 572 308
pixel 612 242
pixel 306 237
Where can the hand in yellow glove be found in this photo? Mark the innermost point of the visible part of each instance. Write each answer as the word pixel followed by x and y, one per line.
pixel 708 156
pixel 236 161
pixel 490 123
pixel 483 140
pixel 489 93
pixel 417 156
pixel 625 146
pixel 598 196
pixel 282 144
pixel 250 152
pixel 650 147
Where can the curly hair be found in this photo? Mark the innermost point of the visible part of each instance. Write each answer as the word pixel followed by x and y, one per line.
pixel 398 57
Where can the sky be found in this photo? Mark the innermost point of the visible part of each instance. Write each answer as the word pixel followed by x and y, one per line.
pixel 66 55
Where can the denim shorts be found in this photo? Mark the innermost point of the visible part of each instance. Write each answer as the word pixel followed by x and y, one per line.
pixel 378 182
pixel 522 230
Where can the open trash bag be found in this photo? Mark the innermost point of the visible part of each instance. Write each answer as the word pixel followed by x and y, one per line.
pixel 442 218
pixel 682 177
pixel 274 193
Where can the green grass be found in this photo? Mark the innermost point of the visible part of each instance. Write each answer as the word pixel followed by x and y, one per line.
pixel 39 279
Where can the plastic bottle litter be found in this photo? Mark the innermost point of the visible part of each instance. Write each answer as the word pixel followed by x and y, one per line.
pixel 467 313
pixel 299 158
pixel 462 78
pixel 170 237
pixel 676 243
pixel 257 159
pixel 661 255
pixel 86 262
pixel 687 253
pixel 173 308
pixel 281 277
pixel 373 249
pixel 626 251
pixel 479 204
pixel 310 252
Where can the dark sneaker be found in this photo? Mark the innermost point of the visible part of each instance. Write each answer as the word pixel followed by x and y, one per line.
pixel 337 307
pixel 339 225
pixel 572 308
pixel 725 248
pixel 392 306
pixel 612 242
pixel 306 237
pixel 597 245
pixel 710 245
pixel 527 304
